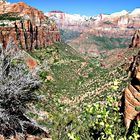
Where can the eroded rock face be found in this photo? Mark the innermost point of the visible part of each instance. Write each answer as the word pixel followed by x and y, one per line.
pixel 119 24
pixel 23 10
pixel 32 31
pixel 136 40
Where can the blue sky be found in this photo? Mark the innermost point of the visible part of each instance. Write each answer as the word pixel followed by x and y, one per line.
pixel 83 7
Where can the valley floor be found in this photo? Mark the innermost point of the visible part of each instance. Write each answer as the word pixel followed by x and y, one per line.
pixel 79 97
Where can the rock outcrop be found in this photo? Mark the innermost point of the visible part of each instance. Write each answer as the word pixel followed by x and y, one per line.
pixel 25 11
pixel 119 24
pixel 28 36
pixel 119 27
pixel 32 29
pixel 136 40
pixel 69 21
pixel 131 95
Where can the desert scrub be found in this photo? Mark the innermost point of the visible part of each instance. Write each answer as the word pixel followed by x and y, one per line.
pixel 108 43
pixel 100 120
pixel 82 100
pixel 68 35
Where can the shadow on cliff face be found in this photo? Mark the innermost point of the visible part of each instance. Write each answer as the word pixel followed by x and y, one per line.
pixel 27 26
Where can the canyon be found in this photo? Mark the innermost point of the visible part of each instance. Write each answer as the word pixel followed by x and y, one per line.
pixel 90 34
pixel 78 96
pixel 28 28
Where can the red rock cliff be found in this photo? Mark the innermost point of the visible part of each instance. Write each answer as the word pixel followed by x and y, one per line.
pixel 136 40
pixel 34 30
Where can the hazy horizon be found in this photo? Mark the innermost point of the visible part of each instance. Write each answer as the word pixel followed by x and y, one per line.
pixel 87 8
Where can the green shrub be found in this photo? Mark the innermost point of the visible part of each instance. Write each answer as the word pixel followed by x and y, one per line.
pixel 100 120
pixel 69 34
pixel 108 22
pixel 81 107
pixel 10 17
pixel 43 75
pixel 108 43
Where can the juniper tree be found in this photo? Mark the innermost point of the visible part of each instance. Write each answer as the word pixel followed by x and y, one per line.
pixel 17 89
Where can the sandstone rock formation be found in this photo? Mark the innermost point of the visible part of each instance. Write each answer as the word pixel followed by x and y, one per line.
pixel 117 24
pixel 131 93
pixel 23 10
pixel 136 40
pixel 119 27
pixel 32 30
pixel 69 21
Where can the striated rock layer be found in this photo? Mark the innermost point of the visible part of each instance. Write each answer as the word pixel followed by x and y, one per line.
pixel 136 40
pixel 28 36
pixel 114 25
pixel 32 30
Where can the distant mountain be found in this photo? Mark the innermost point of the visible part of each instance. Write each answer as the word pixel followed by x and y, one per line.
pixel 69 21
pixel 97 33
pixel 121 19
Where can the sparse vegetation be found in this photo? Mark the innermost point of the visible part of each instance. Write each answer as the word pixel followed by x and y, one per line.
pixel 70 94
pixel 10 17
pixel 3 25
pixel 108 22
pixel 69 34
pixel 108 43
pixel 82 99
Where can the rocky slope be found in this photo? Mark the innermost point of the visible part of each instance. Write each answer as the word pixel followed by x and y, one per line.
pixel 77 84
pixel 123 21
pixel 26 26
pixel 98 33
pixel 68 21
pixel 136 40
pixel 119 24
